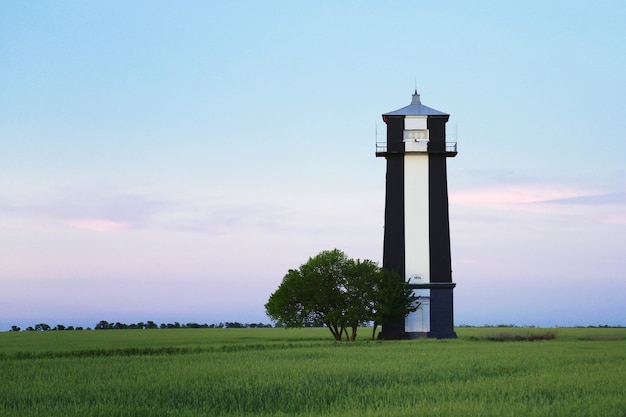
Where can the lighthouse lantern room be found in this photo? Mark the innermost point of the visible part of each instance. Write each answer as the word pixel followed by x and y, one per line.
pixel 417 231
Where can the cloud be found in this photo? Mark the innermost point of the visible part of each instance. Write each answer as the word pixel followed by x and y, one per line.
pixel 613 199
pixel 243 213
pixel 617 219
pixel 88 208
pixel 506 195
pixel 98 225
pixel 518 229
pixel 550 198
pixel 222 218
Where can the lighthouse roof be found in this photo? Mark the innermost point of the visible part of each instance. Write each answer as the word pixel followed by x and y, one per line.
pixel 416 108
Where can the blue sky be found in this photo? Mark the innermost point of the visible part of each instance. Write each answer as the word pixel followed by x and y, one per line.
pixel 171 161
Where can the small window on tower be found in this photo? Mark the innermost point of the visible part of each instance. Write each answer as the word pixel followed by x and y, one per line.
pixel 416 134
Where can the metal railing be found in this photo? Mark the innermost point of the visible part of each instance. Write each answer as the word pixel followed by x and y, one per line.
pixel 451 147
pixel 381 147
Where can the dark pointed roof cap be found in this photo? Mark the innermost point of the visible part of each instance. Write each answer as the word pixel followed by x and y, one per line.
pixel 416 108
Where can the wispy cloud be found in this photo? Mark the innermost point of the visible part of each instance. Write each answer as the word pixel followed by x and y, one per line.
pixel 221 218
pixel 98 225
pixel 508 195
pixel 110 209
pixel 515 194
pixel 613 199
pixel 99 209
pixel 548 199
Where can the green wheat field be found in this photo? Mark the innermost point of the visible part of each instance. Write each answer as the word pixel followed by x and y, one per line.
pixel 302 372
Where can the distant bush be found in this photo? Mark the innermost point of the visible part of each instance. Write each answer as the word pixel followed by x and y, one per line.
pixel 516 336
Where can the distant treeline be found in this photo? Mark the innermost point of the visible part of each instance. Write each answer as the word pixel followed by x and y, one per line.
pixel 105 325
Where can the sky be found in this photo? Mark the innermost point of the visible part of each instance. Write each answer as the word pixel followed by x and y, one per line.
pixel 171 161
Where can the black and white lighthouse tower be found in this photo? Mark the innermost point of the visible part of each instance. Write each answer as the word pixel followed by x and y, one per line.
pixel 417 229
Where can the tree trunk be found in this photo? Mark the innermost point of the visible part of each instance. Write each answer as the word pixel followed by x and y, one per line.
pixel 374 331
pixel 355 327
pixel 334 331
pixel 345 330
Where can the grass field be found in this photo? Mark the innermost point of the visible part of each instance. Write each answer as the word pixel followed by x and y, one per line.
pixel 302 372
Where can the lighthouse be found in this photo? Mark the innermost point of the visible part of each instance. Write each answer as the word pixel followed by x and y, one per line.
pixel 417 228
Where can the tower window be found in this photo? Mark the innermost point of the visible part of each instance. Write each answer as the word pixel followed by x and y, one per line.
pixel 416 134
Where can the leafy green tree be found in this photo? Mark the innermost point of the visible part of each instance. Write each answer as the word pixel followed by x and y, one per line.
pixel 361 294
pixel 341 293
pixel 102 325
pixel 313 294
pixel 394 299
pixel 376 295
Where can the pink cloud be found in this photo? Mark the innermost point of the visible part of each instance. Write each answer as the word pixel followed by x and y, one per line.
pixel 517 194
pixel 98 225
pixel 618 218
pixel 547 199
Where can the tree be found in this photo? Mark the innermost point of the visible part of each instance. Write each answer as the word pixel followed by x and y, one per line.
pixel 103 325
pixel 394 299
pixel 361 294
pixel 340 293
pixel 313 294
pixel 377 295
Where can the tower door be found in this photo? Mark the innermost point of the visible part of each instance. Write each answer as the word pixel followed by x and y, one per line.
pixel 419 321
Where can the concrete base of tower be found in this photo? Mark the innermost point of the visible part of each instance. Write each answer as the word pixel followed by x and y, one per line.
pixel 401 335
pixel 440 310
pixel 431 335
pixel 434 319
pixel 393 331
pixel 446 334
pixel 392 336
